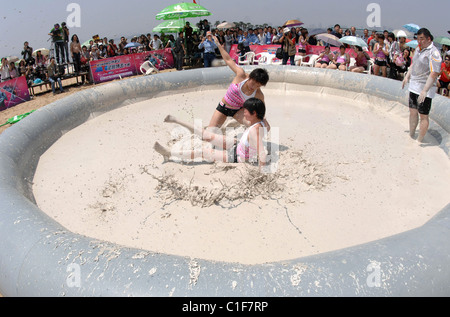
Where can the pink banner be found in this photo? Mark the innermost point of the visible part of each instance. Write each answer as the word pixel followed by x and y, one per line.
pixel 13 92
pixel 112 68
pixel 271 49
pixel 129 65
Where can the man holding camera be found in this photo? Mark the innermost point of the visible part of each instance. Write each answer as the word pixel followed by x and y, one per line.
pixel 54 75
pixel 57 35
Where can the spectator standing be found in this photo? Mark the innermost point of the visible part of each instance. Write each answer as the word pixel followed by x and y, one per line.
pixel 13 72
pixel 57 35
pixel 111 49
pixel 229 40
pixel 4 70
pixel 337 31
pixel 444 79
pixel 209 47
pixel 366 36
pixel 54 76
pixel 170 42
pixel 288 45
pixel 179 51
pixel 422 76
pixel 380 53
pixel 156 43
pixel 122 44
pixel 252 38
pixel 66 34
pixel 27 54
pixel 75 51
pixel 188 31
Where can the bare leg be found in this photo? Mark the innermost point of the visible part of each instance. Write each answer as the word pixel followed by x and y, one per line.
pixel 216 139
pixel 423 127
pixel 413 121
pixel 206 154
pixel 217 120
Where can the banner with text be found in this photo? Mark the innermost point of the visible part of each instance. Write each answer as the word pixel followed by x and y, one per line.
pixel 112 68
pixel 13 92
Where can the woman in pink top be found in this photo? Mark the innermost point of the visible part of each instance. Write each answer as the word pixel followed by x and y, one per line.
pixel 341 60
pixel 250 148
pixel 324 58
pixel 243 87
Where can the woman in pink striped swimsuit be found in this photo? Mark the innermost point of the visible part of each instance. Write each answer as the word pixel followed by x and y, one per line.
pixel 250 147
pixel 243 87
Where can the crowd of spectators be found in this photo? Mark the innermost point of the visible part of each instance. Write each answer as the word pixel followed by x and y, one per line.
pixel 389 53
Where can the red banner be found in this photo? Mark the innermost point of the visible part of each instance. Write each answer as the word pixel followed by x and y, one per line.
pixel 13 92
pixel 112 68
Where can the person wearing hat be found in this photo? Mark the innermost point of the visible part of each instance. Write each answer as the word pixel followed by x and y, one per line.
pixel 209 46
pixel 288 43
pixel 57 35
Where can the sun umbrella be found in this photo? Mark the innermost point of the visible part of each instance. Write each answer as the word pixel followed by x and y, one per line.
pixel 133 45
pixel 226 25
pixel 353 40
pixel 329 38
pixel 44 52
pixel 412 44
pixel 171 26
pixel 292 23
pixel 181 11
pixel 12 59
pixel 411 27
pixel 442 40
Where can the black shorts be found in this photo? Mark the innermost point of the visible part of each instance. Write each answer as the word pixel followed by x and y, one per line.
pixel 302 50
pixel 380 63
pixel 226 111
pixel 444 84
pixel 323 62
pixel 423 108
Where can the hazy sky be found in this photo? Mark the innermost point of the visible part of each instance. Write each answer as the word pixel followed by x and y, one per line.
pixel 31 20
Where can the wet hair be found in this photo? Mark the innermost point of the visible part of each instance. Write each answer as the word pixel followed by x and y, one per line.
pixel 425 32
pixel 256 105
pixel 260 75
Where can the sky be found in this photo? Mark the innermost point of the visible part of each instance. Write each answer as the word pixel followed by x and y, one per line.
pixel 30 20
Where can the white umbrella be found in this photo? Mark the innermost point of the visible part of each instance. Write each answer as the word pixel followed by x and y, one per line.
pixel 353 40
pixel 226 25
pixel 12 59
pixel 329 38
pixel 44 52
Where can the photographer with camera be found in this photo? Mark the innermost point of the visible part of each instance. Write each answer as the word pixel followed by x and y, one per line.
pixel 27 54
pixel 57 35
pixel 54 76
pixel 288 41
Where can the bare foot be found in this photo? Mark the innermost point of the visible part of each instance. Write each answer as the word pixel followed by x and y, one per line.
pixel 162 150
pixel 170 118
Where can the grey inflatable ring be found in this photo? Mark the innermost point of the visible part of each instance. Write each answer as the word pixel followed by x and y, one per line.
pixel 38 257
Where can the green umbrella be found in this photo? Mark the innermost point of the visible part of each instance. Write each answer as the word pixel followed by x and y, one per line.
pixel 182 11
pixel 171 26
pixel 443 40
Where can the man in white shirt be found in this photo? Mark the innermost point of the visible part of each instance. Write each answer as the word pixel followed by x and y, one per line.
pixel 156 43
pixel 422 77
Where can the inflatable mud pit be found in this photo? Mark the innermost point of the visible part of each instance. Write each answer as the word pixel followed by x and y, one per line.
pixel 352 206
